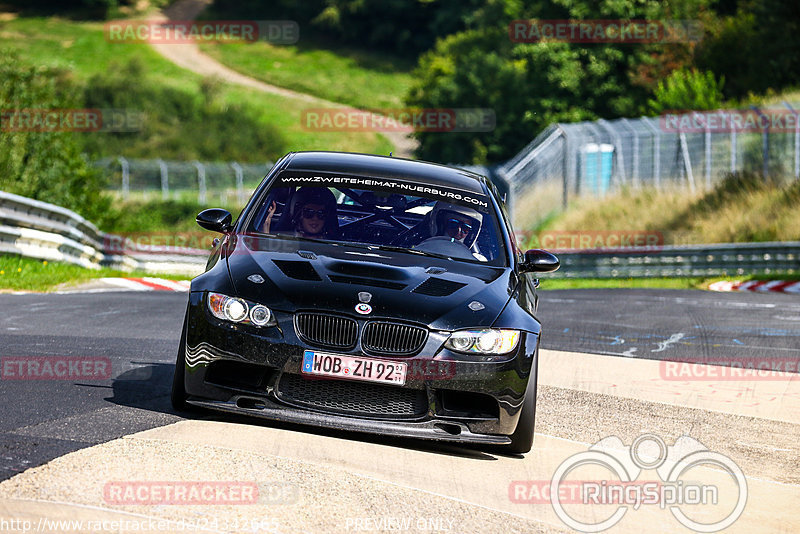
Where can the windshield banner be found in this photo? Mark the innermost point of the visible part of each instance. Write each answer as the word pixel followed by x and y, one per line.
pixel 436 192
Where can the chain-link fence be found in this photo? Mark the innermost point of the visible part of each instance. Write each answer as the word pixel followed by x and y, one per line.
pixel 689 150
pixel 226 184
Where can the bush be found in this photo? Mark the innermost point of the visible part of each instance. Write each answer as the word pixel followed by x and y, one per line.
pixel 45 165
pixel 686 89
pixel 756 49
pixel 177 125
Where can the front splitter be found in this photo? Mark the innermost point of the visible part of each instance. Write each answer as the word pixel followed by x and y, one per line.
pixel 438 430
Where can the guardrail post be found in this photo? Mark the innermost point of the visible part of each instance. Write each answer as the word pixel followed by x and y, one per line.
pixel 164 179
pixel 201 182
pixel 239 181
pixel 126 177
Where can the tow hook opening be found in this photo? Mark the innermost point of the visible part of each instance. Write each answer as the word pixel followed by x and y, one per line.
pixel 250 404
pixel 453 430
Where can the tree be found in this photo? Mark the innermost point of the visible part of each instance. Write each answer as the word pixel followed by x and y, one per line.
pixel 45 165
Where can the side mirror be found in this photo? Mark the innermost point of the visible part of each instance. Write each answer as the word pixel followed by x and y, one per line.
pixel 539 261
pixel 215 219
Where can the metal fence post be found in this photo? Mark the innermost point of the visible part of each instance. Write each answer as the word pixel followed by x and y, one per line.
pixel 126 177
pixel 635 160
pixel 656 151
pixel 764 142
pixel 687 162
pixel 734 148
pixel 707 147
pixel 164 179
pixel 201 182
pixel 565 168
pixel 239 181
pixel 796 139
pixel 617 149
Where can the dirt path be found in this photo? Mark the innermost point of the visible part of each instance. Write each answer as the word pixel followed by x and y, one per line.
pixel 189 56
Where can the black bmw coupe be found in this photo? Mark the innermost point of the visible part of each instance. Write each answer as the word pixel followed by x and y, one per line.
pixel 368 293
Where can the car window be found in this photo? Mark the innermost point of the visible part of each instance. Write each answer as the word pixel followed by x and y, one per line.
pixel 433 219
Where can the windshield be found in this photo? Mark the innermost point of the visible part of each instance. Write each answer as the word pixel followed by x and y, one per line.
pixel 406 216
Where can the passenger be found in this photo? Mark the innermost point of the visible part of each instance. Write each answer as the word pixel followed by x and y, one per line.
pixel 313 213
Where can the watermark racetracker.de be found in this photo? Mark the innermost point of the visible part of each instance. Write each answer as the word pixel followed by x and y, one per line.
pixel 695 497
pixel 198 492
pixel 399 120
pixel 192 31
pixel 746 369
pixel 601 241
pixel 605 31
pixel 751 120
pixel 70 120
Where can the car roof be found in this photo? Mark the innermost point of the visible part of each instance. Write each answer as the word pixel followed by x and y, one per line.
pixel 385 166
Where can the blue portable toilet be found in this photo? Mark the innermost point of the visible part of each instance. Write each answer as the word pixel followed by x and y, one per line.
pixel 598 160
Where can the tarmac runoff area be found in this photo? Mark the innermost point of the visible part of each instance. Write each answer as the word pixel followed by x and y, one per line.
pixel 312 481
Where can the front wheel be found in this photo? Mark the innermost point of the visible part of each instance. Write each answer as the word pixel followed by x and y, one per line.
pixel 178 378
pixel 522 438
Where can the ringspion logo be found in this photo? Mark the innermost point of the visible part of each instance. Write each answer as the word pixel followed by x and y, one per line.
pixel 704 490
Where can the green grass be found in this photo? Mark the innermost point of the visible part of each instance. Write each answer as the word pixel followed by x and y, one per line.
pixel 741 208
pixel 356 78
pixel 81 47
pixel 650 283
pixel 26 274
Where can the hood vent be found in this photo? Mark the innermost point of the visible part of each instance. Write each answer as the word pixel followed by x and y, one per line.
pixel 438 287
pixel 436 270
pixel 306 254
pixel 386 284
pixel 299 270
pixel 367 270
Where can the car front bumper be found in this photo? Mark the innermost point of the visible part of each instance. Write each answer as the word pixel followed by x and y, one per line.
pixel 461 400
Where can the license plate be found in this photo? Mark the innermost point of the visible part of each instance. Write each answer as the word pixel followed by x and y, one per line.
pixel 354 368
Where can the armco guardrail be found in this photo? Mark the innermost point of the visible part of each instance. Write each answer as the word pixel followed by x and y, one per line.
pixel 45 231
pixel 734 259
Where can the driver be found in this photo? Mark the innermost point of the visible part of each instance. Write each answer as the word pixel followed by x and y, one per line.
pixel 459 223
pixel 313 213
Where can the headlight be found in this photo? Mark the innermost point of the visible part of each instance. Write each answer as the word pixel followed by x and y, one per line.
pixel 485 341
pixel 238 310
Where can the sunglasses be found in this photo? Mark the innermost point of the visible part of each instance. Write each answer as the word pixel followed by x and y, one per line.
pixel 308 213
pixel 455 224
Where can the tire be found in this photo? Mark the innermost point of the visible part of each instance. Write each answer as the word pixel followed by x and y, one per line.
pixel 179 377
pixel 522 438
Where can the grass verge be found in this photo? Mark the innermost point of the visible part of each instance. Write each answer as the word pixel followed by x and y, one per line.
pixel 372 80
pixel 82 49
pixel 742 207
pixel 27 274
pixel 650 283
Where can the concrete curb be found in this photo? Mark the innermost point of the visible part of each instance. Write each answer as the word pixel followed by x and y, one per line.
pixel 777 286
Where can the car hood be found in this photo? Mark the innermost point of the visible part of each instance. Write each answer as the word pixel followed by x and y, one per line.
pixel 307 275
